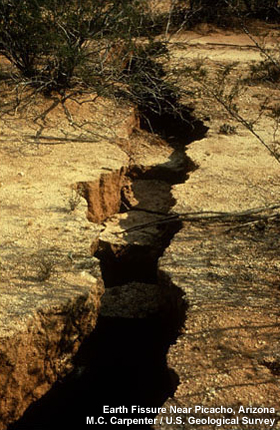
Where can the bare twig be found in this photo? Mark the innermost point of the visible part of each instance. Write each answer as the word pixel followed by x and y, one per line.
pixel 249 215
pixel 241 120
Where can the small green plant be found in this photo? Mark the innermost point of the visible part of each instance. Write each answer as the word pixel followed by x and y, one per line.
pixel 45 265
pixel 265 71
pixel 227 129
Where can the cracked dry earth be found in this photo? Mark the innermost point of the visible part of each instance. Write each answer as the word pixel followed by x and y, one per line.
pixel 57 177
pixel 216 282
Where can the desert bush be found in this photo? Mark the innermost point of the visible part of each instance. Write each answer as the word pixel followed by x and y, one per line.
pixel 148 86
pixel 265 71
pixel 19 22
pixel 262 9
pixel 223 12
pixel 49 41
pixel 144 77
pixel 58 45
pixel 43 39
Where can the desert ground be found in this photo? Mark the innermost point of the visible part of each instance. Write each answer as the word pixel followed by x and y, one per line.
pixel 160 252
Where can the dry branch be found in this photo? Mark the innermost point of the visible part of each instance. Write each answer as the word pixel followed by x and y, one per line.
pixel 247 216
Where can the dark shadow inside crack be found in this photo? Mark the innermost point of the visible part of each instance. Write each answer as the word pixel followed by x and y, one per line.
pixel 177 126
pixel 122 363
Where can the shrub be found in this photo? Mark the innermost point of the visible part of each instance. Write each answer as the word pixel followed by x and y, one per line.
pixel 265 71
pixel 224 12
pixel 49 41
pixel 43 39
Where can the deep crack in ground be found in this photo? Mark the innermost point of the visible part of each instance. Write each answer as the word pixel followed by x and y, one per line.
pixel 123 363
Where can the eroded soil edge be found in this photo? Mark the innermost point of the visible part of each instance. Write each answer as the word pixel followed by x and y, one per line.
pixel 124 360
